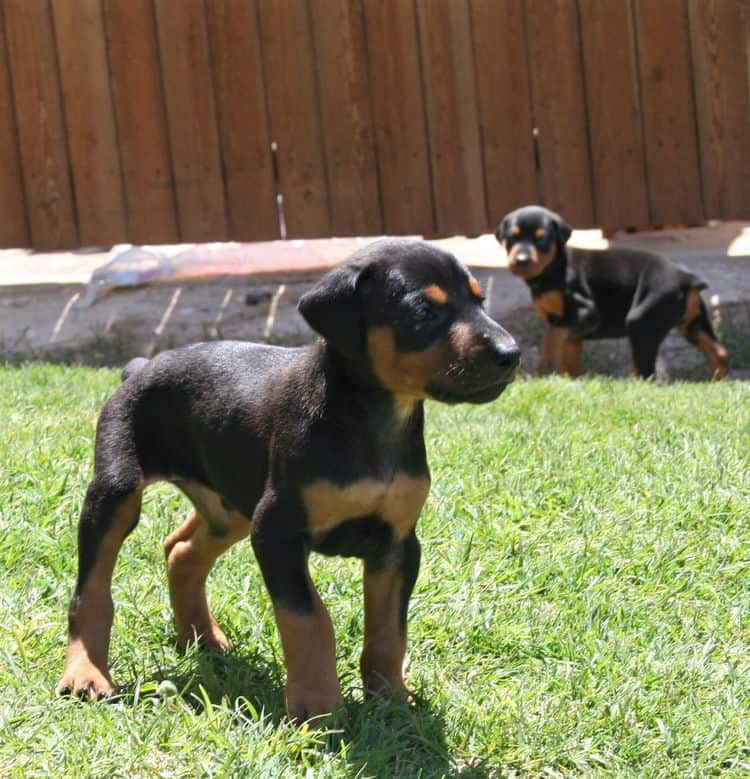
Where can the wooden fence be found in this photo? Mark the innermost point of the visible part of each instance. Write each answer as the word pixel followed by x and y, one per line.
pixel 181 120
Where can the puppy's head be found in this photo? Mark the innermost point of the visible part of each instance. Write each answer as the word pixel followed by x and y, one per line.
pixel 533 237
pixel 413 315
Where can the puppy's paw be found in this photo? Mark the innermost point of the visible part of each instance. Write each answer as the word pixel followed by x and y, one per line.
pixel 305 703
pixel 83 679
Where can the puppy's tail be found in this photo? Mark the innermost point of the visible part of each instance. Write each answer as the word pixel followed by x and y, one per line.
pixel 133 367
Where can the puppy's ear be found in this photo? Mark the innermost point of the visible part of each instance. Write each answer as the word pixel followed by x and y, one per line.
pixel 333 308
pixel 564 230
pixel 502 230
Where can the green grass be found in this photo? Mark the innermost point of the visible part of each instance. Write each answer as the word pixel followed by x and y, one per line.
pixel 582 607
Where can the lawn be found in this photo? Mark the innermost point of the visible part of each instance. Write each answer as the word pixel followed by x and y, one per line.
pixel 582 607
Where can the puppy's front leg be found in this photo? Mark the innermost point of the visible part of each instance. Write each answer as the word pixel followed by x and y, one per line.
pixel 307 638
pixel 388 587
pixel 550 359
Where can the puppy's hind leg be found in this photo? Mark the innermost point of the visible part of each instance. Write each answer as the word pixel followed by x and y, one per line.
pixel 110 511
pixel 647 326
pixel 191 551
pixel 697 330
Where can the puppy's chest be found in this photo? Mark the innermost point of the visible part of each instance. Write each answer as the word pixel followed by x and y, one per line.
pixel 367 503
pixel 550 305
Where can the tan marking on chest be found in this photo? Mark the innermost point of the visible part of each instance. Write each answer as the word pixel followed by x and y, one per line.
pixel 549 304
pixel 397 503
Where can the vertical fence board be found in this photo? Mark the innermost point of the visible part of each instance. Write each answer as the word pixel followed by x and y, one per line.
pixel 452 117
pixel 289 66
pixel 719 34
pixel 668 112
pixel 502 74
pixel 191 113
pixel 243 124
pixel 89 121
pixel 39 120
pixel 560 108
pixel 141 121
pixel 398 114
pixel 13 230
pixel 346 117
pixel 617 155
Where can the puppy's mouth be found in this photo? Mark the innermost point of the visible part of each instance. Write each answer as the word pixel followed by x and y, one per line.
pixel 474 395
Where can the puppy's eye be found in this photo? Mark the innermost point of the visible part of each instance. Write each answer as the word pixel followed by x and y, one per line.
pixel 424 314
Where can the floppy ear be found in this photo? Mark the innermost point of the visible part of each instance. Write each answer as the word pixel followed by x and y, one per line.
pixel 564 230
pixel 333 308
pixel 502 230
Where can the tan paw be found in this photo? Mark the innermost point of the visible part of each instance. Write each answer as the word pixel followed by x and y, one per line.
pixel 84 680
pixel 304 703
pixel 209 637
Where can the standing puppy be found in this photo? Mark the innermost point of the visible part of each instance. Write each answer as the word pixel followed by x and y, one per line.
pixel 610 293
pixel 308 449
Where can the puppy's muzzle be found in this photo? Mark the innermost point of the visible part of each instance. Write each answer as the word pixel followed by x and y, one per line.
pixel 483 371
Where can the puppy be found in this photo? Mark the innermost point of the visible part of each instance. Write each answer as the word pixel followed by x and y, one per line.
pixel 316 449
pixel 613 293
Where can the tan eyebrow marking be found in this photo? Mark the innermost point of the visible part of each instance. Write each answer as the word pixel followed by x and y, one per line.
pixel 436 294
pixel 476 290
pixel 540 232
pixel 516 230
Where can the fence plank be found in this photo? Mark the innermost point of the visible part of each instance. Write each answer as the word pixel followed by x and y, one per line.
pixel 346 117
pixel 502 73
pixel 191 114
pixel 668 112
pixel 452 117
pixel 720 38
pixel 39 120
pixel 560 109
pixel 13 229
pixel 243 123
pixel 89 121
pixel 141 121
pixel 617 155
pixel 295 123
pixel 398 115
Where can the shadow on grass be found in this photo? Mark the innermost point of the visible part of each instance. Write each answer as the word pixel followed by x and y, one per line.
pixel 378 737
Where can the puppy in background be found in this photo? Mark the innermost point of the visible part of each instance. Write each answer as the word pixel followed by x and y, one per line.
pixel 585 294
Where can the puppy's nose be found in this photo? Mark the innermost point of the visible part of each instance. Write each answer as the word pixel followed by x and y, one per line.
pixel 523 258
pixel 506 355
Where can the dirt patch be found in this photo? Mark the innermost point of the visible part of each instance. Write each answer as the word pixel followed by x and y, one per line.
pixel 41 322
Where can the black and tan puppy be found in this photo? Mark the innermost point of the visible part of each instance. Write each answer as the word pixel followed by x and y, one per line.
pixel 585 294
pixel 304 449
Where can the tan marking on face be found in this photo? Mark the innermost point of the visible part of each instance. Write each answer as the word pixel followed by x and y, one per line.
pixel 539 233
pixel 549 304
pixel 309 647
pixel 406 373
pixel 476 288
pixel 516 231
pixel 436 294
pixel 382 658
pixel 91 612
pixel 191 551
pixel 398 502
pixel 537 264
